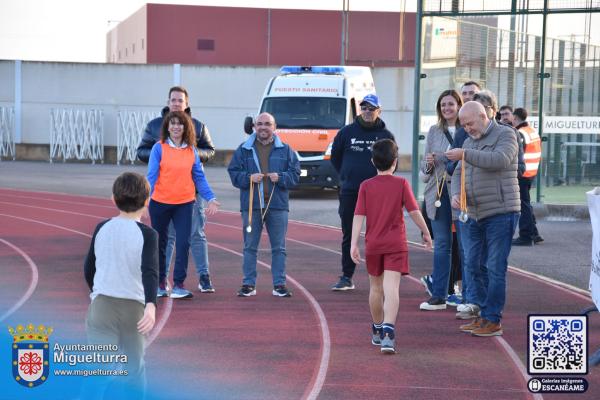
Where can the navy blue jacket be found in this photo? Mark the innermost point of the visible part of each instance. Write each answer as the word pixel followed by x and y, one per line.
pixel 351 153
pixel 282 160
pixel 204 143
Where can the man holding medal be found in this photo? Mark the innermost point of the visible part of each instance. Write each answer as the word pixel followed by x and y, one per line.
pixel 486 182
pixel 264 169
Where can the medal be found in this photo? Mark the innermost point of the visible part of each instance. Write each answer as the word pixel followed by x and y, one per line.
pixel 439 188
pixel 463 217
pixel 248 229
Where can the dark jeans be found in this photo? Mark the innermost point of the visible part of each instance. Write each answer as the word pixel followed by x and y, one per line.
pixel 161 215
pixel 346 212
pixel 527 223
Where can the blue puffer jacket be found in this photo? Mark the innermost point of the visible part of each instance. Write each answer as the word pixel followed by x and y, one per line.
pixel 282 160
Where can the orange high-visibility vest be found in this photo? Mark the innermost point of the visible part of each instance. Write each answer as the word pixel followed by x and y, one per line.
pixel 533 151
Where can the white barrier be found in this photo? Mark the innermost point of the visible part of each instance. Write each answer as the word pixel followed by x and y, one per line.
pixel 7 125
pixel 76 134
pixel 130 128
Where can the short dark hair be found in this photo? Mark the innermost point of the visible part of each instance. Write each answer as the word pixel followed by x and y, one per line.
pixel 130 191
pixel 179 89
pixel 384 152
pixel 521 113
pixel 506 107
pixel 469 83
pixel 189 132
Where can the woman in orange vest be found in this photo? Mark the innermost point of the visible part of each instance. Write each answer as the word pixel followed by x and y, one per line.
pixel 175 174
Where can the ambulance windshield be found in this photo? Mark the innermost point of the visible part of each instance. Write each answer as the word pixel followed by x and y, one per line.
pixel 306 112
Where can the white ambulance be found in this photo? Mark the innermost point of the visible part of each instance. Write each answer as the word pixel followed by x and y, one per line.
pixel 310 105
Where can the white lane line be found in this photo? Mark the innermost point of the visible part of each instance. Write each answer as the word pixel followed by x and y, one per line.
pixel 53 209
pixel 168 307
pixel 319 378
pixel 503 343
pixel 32 282
pixel 80 203
pixel 517 362
pixel 317 381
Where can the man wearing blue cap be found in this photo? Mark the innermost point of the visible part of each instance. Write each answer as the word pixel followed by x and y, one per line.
pixel 351 157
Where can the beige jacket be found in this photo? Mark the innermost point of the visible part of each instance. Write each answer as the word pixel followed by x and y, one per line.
pixel 436 143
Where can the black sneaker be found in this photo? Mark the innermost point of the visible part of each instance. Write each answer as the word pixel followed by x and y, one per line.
pixel 344 283
pixel 537 239
pixel 205 285
pixel 246 291
pixel 376 335
pixel 434 303
pixel 281 291
pixel 521 241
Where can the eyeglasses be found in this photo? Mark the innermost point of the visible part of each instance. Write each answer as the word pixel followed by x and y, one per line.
pixel 369 108
pixel 264 124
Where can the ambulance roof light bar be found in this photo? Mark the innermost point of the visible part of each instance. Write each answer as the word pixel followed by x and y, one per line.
pixel 296 69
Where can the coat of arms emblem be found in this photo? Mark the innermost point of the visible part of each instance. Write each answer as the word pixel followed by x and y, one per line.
pixel 30 354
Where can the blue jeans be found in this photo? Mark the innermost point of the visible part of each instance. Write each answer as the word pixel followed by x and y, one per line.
pixel 198 243
pixel 468 288
pixel 276 222
pixel 442 251
pixel 494 235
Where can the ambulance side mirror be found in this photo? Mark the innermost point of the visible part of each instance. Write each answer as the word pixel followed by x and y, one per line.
pixel 248 125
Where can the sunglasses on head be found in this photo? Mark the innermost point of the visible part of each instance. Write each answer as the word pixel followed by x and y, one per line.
pixel 368 108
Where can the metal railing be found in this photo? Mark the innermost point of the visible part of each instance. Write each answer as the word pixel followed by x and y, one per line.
pixel 76 134
pixel 130 128
pixel 7 134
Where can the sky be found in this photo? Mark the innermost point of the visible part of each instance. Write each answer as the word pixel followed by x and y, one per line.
pixel 75 30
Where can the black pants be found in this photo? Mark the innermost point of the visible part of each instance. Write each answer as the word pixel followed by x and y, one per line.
pixel 346 212
pixel 527 223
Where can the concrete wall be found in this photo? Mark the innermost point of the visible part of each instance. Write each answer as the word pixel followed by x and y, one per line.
pixel 220 96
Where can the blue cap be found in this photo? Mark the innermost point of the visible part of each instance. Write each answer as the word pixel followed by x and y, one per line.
pixel 372 99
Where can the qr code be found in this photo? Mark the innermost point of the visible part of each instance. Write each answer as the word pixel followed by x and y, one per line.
pixel 557 344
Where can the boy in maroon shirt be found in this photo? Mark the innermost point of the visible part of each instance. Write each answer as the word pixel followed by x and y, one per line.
pixel 380 201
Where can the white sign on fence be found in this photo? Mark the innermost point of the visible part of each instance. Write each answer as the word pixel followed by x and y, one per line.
pixel 593 198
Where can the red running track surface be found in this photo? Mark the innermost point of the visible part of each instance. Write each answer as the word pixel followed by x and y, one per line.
pixel 315 344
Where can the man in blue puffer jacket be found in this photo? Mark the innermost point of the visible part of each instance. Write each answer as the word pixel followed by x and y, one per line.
pixel 178 101
pixel 264 169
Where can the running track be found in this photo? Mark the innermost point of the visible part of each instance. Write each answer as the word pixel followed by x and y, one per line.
pixel 313 345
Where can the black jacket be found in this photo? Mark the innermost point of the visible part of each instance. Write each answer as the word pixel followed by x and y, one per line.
pixel 204 143
pixel 351 153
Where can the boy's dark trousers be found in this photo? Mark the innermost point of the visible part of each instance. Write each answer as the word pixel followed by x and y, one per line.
pixel 346 212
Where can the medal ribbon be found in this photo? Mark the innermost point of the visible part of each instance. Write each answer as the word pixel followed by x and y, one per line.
pixel 439 188
pixel 251 200
pixel 463 191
